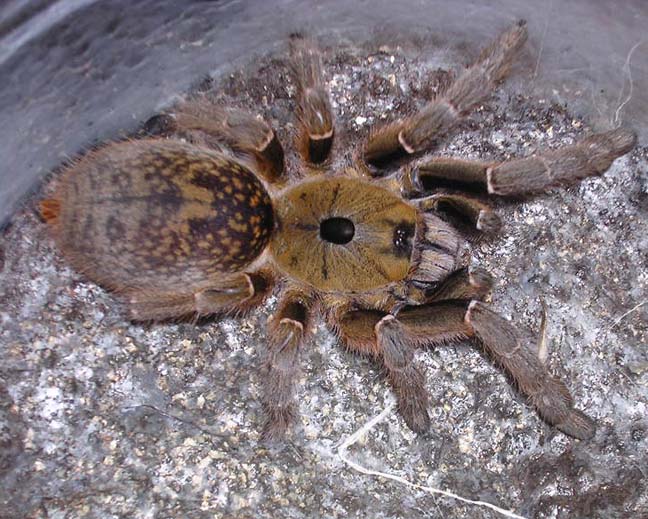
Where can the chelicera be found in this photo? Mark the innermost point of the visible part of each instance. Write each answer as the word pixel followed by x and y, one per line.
pixel 205 219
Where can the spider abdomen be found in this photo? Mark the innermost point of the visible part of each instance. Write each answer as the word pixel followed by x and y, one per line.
pixel 343 234
pixel 161 213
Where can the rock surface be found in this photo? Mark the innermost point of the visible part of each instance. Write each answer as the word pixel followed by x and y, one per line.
pixel 100 417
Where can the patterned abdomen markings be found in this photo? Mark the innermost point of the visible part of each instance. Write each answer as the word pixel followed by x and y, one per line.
pixel 161 214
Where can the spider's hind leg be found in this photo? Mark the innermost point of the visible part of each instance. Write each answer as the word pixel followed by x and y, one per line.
pixel 230 295
pixel 225 129
pixel 315 117
pixel 287 331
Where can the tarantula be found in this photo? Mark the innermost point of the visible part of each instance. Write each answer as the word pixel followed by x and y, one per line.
pixel 202 218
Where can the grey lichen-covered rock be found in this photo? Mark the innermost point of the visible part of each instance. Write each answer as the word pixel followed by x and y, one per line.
pixel 100 417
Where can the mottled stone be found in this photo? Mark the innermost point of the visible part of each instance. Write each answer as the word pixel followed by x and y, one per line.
pixel 102 417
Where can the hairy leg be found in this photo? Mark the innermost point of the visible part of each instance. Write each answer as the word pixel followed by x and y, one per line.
pixel 444 172
pixel 231 295
pixel 548 394
pixel 472 211
pixel 591 156
pixel 421 131
pixel 393 340
pixel 241 133
pixel 464 285
pixel 406 378
pixel 314 112
pixel 286 333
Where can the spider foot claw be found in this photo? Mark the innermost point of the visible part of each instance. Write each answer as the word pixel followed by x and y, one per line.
pixel 415 415
pixel 278 423
pixel 479 277
pixel 578 425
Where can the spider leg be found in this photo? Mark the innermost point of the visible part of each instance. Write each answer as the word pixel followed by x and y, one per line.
pixel 406 378
pixel 464 285
pixel 233 130
pixel 591 156
pixel 393 340
pixel 314 113
pixel 476 213
pixel 548 394
pixel 286 332
pixel 421 131
pixel 444 172
pixel 230 295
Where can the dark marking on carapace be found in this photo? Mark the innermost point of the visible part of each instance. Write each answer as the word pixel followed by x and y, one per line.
pixel 306 227
pixel 403 237
pixel 334 197
pixel 325 272
pixel 338 231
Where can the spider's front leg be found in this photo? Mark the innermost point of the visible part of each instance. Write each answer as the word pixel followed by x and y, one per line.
pixel 450 317
pixel 422 130
pixel 393 341
pixel 225 129
pixel 591 156
pixel 548 394
pixel 472 211
pixel 287 330
pixel 463 285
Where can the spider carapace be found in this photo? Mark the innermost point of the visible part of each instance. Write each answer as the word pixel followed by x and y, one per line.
pixel 204 218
